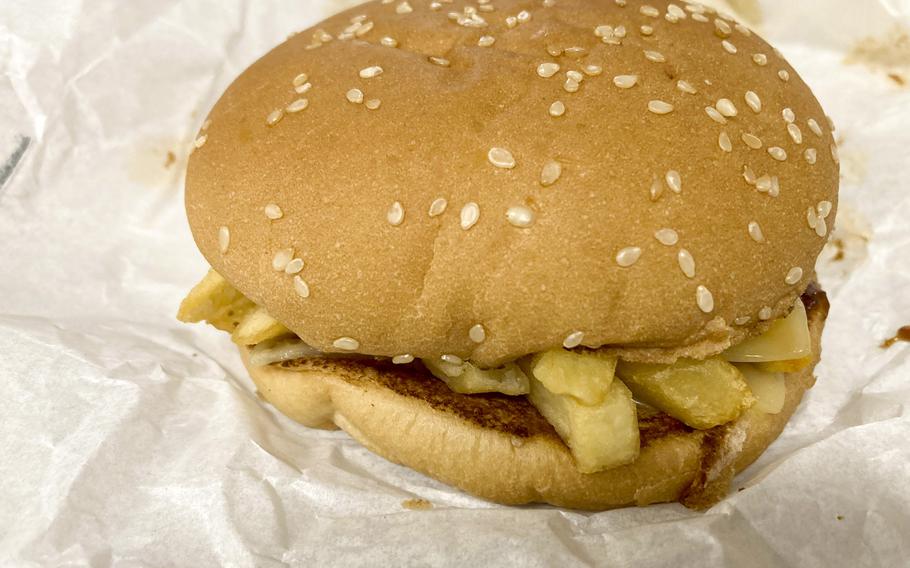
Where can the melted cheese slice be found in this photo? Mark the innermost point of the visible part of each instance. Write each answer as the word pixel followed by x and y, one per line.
pixel 787 338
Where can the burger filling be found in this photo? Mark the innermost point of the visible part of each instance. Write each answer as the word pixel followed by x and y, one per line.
pixel 591 398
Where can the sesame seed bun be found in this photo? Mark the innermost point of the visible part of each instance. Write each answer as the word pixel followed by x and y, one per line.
pixel 460 200
pixel 500 448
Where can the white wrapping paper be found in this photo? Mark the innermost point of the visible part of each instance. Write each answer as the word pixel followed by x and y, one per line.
pixel 128 439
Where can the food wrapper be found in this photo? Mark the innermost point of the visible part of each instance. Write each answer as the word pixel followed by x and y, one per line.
pixel 130 439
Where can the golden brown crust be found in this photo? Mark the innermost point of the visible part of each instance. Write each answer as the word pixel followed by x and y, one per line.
pixel 501 449
pixel 336 168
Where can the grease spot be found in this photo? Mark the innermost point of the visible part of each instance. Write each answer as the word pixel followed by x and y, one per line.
pixel 888 53
pixel 417 504
pixel 903 334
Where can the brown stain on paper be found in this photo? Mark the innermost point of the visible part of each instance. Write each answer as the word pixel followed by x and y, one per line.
pixel 888 53
pixel 903 334
pixel 417 504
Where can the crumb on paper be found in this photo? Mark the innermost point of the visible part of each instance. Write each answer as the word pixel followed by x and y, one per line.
pixel 898 78
pixel 170 159
pixel 417 504
pixel 840 517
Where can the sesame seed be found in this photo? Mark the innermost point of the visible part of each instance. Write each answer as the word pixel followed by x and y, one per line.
pixel 346 344
pixel 274 117
pixel 554 50
pixel 452 359
pixel 573 340
pixel 477 333
pixel 297 106
pixel 775 187
pixel 620 3
pixel 749 175
pixel 438 207
pixel 814 127
pixel 824 208
pixel 778 153
pixel 294 267
pixel 441 61
pixel 667 237
pixel 811 156
pixel 743 30
pixel 619 31
pixel 821 228
pixel 724 142
pixel 547 70
pixel 524 16
pixel 728 47
pixel 520 216
pixel 403 8
pixel 303 89
pixel 571 86
pixel 603 31
pixel 501 158
pixel 686 87
pixel 206 124
pixel 752 141
pixel 470 214
pixel 715 115
pixel 753 101
pixel 557 109
pixel 676 11
pixel 302 288
pixel 650 11
pixel 548 3
pixel 364 29
pixel 755 232
pixel 628 256
pixel 674 181
pixel 550 173
pixel 646 30
pixel 764 313
pixel 657 189
pixel 794 276
pixel 655 56
pixel 795 133
pixel 625 81
pixel 686 263
pixel 300 80
pixel 660 107
pixel 722 29
pixel 388 41
pixel 355 96
pixel 370 72
pixel 273 212
pixel 403 359
pixel 830 122
pixel 834 154
pixel 704 299
pixel 760 59
pixel 224 239
pixel 486 41
pixel 763 184
pixel 784 75
pixel 575 76
pixel 742 320
pixel 726 108
pixel 811 218
pixel 593 70
pixel 395 214
pixel 789 115
pixel 281 259
pixel 700 18
pixel 200 141
pixel 511 22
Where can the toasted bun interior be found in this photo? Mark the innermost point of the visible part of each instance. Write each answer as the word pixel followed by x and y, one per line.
pixel 501 449
pixel 427 187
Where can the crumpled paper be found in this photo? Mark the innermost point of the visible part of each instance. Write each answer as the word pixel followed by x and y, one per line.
pixel 130 439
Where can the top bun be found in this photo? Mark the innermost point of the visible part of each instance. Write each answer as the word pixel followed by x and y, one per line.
pixel 419 180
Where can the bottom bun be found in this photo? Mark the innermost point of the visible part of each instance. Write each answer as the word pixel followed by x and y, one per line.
pixel 501 449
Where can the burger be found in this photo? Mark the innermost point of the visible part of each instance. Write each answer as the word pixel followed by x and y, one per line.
pixel 555 251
